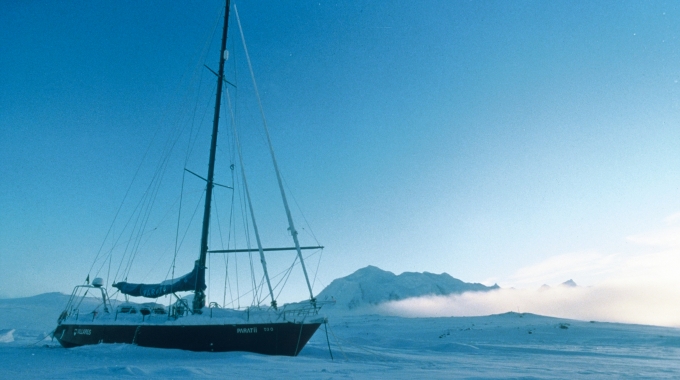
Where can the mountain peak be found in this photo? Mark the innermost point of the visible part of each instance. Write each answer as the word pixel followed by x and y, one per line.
pixel 372 286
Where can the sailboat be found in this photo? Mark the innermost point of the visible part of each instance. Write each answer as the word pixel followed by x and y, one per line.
pixel 189 325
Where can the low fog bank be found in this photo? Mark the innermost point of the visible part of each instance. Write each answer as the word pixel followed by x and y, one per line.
pixel 639 284
pixel 649 304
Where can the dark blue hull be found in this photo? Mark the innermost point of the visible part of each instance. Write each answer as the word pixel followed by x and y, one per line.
pixel 263 338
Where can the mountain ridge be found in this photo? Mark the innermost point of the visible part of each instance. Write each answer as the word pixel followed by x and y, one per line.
pixel 370 286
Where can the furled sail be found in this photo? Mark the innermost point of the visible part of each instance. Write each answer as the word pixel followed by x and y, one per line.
pixel 189 282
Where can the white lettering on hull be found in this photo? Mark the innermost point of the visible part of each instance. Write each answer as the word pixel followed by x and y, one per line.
pixel 249 330
pixel 82 332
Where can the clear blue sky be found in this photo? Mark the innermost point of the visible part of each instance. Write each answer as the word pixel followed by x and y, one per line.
pixel 473 138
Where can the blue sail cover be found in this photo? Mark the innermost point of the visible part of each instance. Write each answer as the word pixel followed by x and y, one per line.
pixel 185 283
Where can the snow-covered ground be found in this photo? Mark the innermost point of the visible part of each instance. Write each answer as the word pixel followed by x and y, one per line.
pixel 363 346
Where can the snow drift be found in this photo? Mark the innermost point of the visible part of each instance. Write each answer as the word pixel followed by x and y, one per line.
pixel 7 335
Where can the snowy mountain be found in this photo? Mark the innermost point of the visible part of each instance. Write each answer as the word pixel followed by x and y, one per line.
pixel 371 286
pixel 38 313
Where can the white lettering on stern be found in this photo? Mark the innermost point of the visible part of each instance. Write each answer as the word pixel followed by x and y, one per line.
pixel 249 330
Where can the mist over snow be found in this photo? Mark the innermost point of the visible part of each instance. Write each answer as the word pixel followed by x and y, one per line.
pixel 623 298
pixel 638 285
pixel 639 282
pixel 611 303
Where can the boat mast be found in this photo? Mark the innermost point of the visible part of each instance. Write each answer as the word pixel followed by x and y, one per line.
pixel 199 295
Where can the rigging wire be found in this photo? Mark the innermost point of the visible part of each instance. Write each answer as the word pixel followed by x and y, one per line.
pixel 147 202
pixel 250 206
pixel 231 215
pixel 225 255
pixel 302 214
pixel 219 231
pixel 179 218
pixel 127 192
pixel 193 215
pixel 291 225
pixel 309 227
pixel 147 197
pixel 160 258
pixel 232 156
pixel 318 263
pixel 189 149
pixel 143 216
pixel 146 214
pixel 284 273
pixel 286 276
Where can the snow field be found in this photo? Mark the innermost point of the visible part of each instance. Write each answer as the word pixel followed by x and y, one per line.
pixel 505 346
